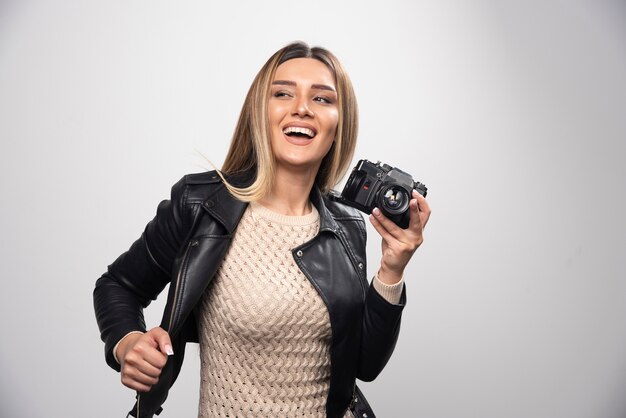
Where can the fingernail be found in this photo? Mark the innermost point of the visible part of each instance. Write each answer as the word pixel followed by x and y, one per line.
pixel 376 211
pixel 169 350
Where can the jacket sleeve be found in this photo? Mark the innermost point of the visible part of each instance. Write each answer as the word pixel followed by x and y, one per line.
pixel 137 276
pixel 381 319
pixel 380 329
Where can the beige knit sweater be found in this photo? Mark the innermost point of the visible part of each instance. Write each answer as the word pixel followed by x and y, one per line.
pixel 264 330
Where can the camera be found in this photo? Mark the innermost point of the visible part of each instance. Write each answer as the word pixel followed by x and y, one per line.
pixel 381 186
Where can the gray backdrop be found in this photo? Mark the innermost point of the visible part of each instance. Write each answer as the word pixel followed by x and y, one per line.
pixel 513 113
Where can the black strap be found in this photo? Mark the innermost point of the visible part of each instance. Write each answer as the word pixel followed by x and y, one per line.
pixel 362 408
pixel 133 412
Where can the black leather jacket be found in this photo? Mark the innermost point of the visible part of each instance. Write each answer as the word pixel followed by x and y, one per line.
pixel 184 245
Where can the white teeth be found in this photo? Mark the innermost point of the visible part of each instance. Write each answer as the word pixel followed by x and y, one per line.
pixel 299 130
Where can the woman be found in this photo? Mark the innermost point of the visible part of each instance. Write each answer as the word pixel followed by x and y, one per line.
pixel 265 272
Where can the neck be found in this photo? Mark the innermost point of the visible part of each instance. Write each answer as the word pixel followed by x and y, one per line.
pixel 290 193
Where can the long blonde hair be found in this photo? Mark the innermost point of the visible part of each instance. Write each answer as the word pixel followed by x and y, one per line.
pixel 250 147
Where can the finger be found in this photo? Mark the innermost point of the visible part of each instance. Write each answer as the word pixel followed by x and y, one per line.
pixel 146 353
pixel 131 373
pixel 161 340
pixel 415 220
pixel 154 358
pixel 420 212
pixel 380 228
pixel 135 385
pixel 146 367
pixel 165 343
pixel 422 203
pixel 394 230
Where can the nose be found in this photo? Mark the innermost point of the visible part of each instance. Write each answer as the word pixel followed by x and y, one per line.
pixel 301 107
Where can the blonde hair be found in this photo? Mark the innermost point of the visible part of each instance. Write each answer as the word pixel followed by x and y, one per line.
pixel 250 147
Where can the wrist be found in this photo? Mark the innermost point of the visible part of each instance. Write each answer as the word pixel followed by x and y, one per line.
pixel 122 346
pixel 388 276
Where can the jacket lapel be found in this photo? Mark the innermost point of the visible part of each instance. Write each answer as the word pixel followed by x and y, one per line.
pixel 212 235
pixel 222 206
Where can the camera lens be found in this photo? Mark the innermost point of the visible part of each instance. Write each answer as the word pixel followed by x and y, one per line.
pixel 353 185
pixel 394 199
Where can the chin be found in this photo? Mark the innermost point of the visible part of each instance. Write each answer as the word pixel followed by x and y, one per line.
pixel 298 161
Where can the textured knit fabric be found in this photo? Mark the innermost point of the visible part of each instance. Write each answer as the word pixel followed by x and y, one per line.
pixel 392 293
pixel 264 330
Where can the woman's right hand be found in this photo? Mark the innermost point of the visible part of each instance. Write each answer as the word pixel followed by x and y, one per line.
pixel 142 357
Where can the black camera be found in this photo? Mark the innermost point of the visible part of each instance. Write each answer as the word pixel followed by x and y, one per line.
pixel 381 186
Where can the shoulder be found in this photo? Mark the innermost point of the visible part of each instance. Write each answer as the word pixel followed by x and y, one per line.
pixel 196 187
pixel 341 211
pixel 207 177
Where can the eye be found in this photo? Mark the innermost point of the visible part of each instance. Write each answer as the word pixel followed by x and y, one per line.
pixel 282 93
pixel 322 99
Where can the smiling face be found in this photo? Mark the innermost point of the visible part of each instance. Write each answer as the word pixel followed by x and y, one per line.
pixel 303 113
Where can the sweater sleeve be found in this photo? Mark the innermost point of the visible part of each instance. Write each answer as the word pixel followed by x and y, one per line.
pixel 390 292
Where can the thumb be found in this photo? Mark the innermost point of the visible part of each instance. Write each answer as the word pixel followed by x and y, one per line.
pixel 162 340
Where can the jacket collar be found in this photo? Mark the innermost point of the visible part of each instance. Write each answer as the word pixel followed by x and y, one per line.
pixel 327 221
pixel 228 210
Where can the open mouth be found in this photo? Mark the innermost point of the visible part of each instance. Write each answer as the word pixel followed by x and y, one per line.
pixel 299 132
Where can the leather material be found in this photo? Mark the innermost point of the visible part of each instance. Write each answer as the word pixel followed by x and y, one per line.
pixel 184 245
pixel 360 407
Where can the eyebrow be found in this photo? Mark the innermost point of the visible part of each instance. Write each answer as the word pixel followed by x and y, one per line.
pixel 293 84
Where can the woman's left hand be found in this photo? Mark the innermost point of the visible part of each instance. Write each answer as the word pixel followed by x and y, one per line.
pixel 399 244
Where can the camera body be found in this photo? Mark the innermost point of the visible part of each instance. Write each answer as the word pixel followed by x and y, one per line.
pixel 381 186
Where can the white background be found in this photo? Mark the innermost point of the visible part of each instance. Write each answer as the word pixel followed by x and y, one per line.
pixel 513 114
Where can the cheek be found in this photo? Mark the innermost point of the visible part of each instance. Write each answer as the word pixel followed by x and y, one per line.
pixel 332 133
pixel 275 113
pixel 272 117
pixel 332 122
